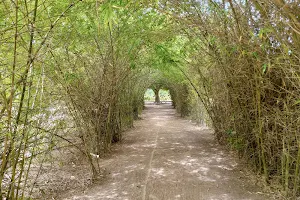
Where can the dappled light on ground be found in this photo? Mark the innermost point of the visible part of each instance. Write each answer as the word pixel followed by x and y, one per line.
pixel 166 157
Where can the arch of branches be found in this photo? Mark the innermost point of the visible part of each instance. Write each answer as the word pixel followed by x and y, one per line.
pixel 75 72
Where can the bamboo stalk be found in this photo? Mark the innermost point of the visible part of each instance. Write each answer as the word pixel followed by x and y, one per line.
pixel 8 139
pixel 296 181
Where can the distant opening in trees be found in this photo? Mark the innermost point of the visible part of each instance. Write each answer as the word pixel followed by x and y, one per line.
pixel 157 96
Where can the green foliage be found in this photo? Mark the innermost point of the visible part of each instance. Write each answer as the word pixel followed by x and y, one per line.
pixel 223 63
pixel 164 95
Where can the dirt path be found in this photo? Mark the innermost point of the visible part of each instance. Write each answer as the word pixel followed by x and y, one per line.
pixel 168 158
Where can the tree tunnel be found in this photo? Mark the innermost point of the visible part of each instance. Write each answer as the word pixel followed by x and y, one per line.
pixel 83 68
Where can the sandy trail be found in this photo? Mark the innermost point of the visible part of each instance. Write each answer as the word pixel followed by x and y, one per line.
pixel 168 158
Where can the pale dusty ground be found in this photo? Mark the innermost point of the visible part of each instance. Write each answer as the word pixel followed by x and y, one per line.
pixel 168 158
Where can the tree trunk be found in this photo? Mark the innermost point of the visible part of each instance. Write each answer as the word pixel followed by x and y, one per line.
pixel 157 99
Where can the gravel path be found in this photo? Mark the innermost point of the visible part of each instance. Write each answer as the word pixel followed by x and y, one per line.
pixel 168 158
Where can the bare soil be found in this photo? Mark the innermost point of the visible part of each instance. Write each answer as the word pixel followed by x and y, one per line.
pixel 166 157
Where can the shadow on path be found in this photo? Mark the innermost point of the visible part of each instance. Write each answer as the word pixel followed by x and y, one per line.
pixel 167 158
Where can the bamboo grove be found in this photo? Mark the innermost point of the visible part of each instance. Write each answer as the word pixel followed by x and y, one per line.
pixel 73 75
